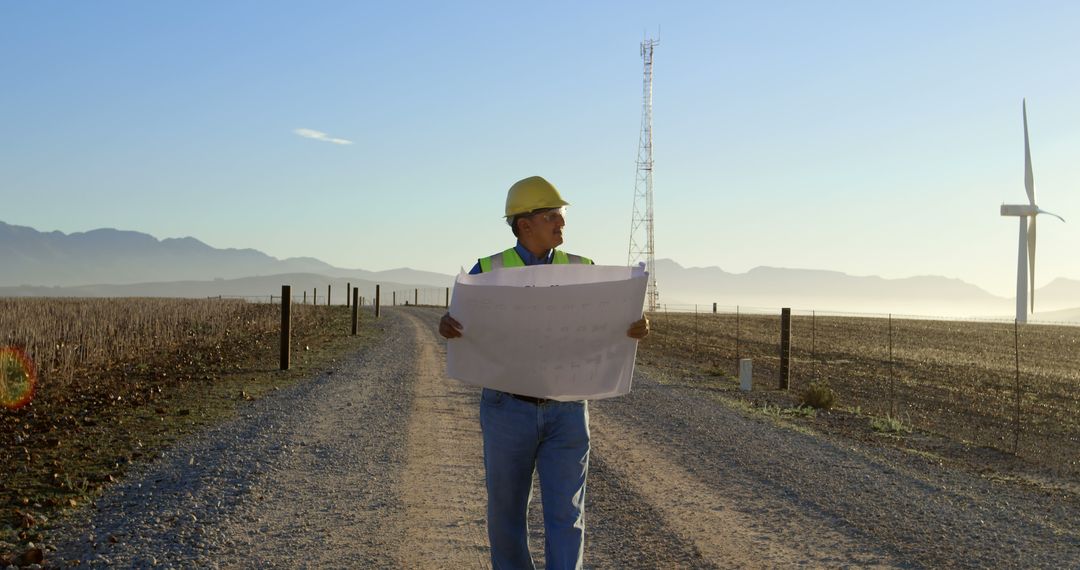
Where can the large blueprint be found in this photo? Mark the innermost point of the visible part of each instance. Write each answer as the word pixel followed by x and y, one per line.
pixel 550 331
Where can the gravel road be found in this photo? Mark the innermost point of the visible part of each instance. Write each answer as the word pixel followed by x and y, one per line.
pixel 377 464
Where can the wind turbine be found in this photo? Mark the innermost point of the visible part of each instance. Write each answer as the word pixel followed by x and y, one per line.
pixel 1025 263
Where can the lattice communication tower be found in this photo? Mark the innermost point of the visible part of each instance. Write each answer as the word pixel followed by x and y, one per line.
pixel 641 225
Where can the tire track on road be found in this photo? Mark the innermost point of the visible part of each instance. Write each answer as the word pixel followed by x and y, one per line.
pixel 708 518
pixel 443 481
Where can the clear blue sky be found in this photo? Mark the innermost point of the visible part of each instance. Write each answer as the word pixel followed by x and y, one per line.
pixel 866 137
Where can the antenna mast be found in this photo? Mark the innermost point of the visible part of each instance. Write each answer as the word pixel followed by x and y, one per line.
pixel 641 225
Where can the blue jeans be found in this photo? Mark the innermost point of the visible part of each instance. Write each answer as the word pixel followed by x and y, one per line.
pixel 552 439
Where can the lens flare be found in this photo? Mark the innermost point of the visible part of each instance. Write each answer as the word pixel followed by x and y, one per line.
pixel 17 378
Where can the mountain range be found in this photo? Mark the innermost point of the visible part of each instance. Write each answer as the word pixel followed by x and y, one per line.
pixel 110 262
pixel 117 257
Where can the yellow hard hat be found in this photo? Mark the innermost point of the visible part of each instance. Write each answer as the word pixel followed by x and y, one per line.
pixel 532 193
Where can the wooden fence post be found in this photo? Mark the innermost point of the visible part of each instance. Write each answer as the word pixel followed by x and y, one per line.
pixel 714 307
pixel 377 301
pixel 355 295
pixel 393 298
pixel 305 297
pixel 447 297
pixel 348 292
pixel 416 297
pixel 286 324
pixel 892 388
pixel 328 297
pixel 785 347
pixel 315 296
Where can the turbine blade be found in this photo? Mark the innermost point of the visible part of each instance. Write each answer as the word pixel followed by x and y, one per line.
pixel 1041 211
pixel 1031 261
pixel 1029 178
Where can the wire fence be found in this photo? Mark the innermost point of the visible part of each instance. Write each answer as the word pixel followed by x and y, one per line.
pixel 71 339
pixel 987 382
pixel 426 297
pixel 991 383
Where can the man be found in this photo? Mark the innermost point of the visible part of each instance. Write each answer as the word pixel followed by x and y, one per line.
pixel 523 434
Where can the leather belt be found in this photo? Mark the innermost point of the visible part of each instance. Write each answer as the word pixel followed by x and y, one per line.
pixel 530 399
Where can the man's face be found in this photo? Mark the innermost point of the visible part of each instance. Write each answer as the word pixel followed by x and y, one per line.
pixel 545 227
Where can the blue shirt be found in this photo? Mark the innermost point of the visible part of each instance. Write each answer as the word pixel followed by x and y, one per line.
pixel 526 256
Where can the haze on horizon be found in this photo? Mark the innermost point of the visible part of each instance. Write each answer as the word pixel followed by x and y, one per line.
pixel 867 139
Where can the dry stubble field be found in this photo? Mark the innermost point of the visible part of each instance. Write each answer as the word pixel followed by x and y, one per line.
pixel 954 379
pixel 119 379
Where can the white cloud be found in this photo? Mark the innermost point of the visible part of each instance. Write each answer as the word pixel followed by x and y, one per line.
pixel 320 136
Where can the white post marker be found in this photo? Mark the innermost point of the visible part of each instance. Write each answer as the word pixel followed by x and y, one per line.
pixel 746 374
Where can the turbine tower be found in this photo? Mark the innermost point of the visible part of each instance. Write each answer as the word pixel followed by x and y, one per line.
pixel 1025 263
pixel 641 225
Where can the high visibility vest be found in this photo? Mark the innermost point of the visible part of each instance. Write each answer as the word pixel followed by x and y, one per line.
pixel 510 258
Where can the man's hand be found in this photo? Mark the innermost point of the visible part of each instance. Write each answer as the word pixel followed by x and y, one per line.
pixel 449 327
pixel 639 329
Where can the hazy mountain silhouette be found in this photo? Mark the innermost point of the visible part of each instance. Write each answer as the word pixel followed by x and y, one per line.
pixel 1058 294
pixel 811 289
pixel 109 256
pixel 109 262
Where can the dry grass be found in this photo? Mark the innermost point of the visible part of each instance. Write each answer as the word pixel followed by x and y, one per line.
pixel 64 337
pixel 121 378
pixel 953 378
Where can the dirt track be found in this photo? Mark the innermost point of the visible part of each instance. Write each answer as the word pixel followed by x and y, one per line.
pixel 379 464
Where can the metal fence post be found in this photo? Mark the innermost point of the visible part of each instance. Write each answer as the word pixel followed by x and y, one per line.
pixel 348 293
pixel 738 333
pixel 377 301
pixel 286 324
pixel 785 347
pixel 1016 350
pixel 355 309
pixel 447 297
pixel 328 297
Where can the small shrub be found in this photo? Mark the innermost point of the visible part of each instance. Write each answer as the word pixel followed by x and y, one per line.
pixel 782 412
pixel 819 395
pixel 889 424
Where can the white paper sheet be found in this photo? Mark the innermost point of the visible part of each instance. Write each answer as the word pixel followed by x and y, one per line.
pixel 549 331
